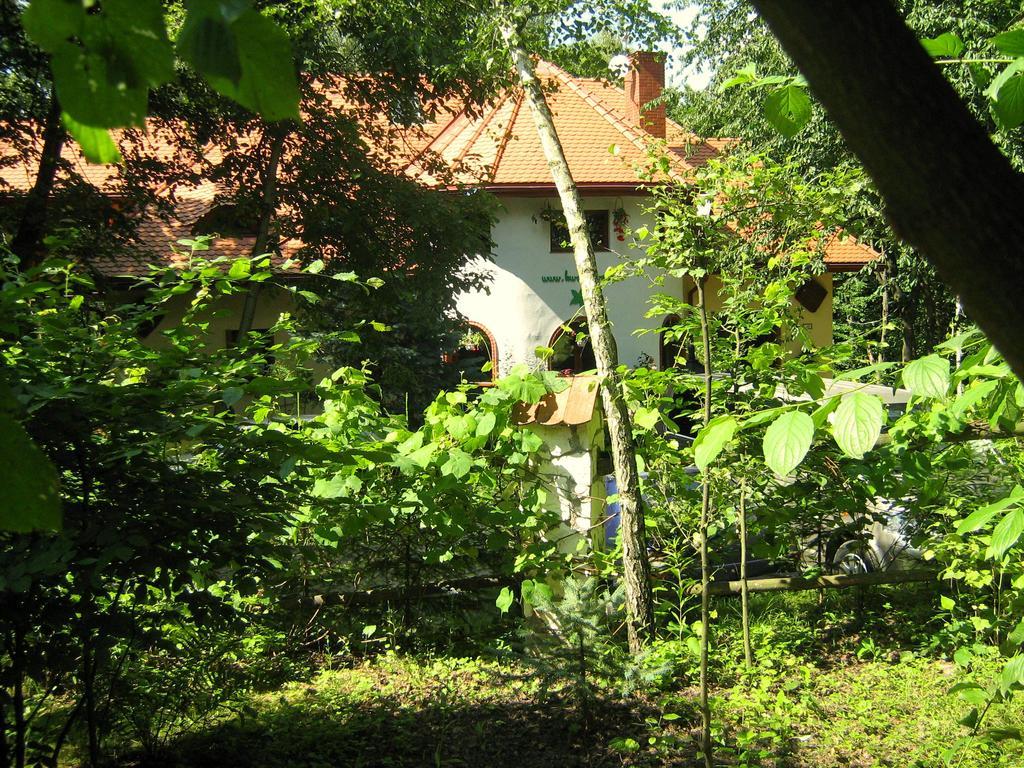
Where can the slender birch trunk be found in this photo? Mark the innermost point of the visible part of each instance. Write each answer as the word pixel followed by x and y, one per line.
pixel 268 207
pixel 748 651
pixel 636 566
pixel 705 515
pixel 884 278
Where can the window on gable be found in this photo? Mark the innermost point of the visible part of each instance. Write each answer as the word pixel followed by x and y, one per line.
pixel 226 221
pixel 597 223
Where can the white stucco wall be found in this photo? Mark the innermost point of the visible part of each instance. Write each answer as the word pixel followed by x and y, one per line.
pixel 531 288
pixel 523 311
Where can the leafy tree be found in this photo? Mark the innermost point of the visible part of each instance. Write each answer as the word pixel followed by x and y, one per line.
pixel 171 511
pixel 902 296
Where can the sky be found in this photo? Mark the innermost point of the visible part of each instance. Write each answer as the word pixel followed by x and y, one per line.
pixel 676 73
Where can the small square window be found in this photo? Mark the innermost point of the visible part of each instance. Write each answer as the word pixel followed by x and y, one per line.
pixel 597 223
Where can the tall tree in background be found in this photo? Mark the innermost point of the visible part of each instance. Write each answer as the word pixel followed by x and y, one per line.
pixel 727 37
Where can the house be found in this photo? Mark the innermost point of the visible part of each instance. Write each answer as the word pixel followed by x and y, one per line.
pixel 533 291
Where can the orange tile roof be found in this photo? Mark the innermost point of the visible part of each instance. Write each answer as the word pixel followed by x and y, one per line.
pixel 500 148
pixel 844 253
pixel 494 146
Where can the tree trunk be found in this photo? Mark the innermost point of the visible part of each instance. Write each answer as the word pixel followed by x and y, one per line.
pixel 27 243
pixel 268 207
pixel 947 188
pixel 883 277
pixel 748 651
pixel 705 515
pixel 18 699
pixel 636 566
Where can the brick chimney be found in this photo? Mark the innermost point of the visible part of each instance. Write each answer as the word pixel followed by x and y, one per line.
pixel 645 81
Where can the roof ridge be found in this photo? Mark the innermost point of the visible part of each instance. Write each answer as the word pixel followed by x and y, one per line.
pixel 599 106
pixel 507 135
pixel 414 161
pixel 487 120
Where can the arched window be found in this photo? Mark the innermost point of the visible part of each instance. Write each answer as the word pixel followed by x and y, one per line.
pixel 672 348
pixel 573 352
pixel 476 349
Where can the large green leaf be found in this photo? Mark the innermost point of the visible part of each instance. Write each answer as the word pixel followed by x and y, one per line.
pixel 927 377
pixel 96 144
pixel 256 69
pixel 458 464
pixel 646 418
pixel 712 439
pixel 945 46
pixel 137 29
pixel 1013 672
pixel 96 90
pixel 1009 102
pixel 787 440
pixel 980 517
pixel 30 499
pixel 1006 533
pixel 50 23
pixel 858 423
pixel 505 599
pixel 1011 43
pixel 208 44
pixel 788 109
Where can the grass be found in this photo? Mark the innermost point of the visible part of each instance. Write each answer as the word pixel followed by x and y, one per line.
pixel 834 685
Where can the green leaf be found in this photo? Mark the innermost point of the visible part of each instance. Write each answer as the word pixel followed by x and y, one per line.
pixel 945 46
pixel 1006 533
pixel 505 599
pixel 1017 635
pixel 1013 672
pixel 1009 102
pixel 858 423
pixel 50 23
pixel 240 268
pixel 486 424
pixel 459 463
pixel 1011 42
pixel 971 396
pixel 646 418
pixel 31 499
pixel 980 517
pixel 232 395
pixel 266 83
pixel 788 109
pixel 96 144
pixel 787 440
pixel 927 377
pixel 743 75
pixel 207 43
pixel 712 439
pixel 946 603
pixel 96 91
pixel 332 488
pixel 137 29
pixel 1013 68
pixel 972 693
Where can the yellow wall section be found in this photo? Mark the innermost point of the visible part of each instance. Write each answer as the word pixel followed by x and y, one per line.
pixel 818 324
